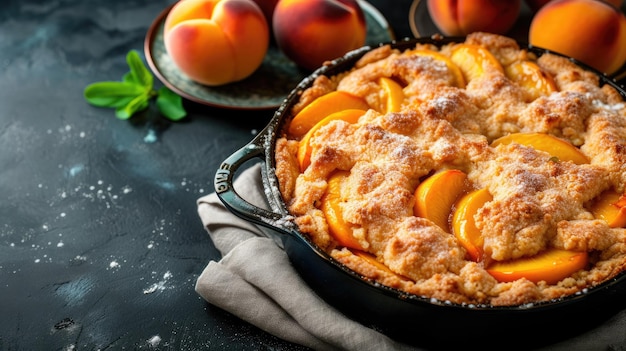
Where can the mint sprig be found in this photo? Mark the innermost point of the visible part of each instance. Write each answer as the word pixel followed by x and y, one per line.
pixel 134 92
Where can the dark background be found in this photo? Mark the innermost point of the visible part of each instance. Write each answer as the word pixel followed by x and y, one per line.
pixel 100 241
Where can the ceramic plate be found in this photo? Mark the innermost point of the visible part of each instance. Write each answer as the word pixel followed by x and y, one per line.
pixel 264 89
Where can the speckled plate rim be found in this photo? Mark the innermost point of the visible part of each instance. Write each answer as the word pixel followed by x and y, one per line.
pixel 264 89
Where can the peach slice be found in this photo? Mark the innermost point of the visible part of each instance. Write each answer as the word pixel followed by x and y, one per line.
pixel 321 107
pixel 463 224
pixel 474 60
pixel 373 261
pixel 611 207
pixel 556 147
pixel 531 77
pixel 435 196
pixel 394 96
pixel 550 266
pixel 304 148
pixel 339 229
pixel 454 69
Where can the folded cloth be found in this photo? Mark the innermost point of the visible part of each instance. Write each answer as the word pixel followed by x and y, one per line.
pixel 255 281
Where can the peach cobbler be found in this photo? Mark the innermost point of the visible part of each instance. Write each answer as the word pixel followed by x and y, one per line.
pixel 472 172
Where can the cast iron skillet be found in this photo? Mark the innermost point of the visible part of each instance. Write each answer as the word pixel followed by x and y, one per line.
pixel 410 318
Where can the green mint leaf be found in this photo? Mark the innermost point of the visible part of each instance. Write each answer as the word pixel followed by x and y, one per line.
pixel 138 71
pixel 170 104
pixel 129 77
pixel 139 103
pixel 134 93
pixel 111 94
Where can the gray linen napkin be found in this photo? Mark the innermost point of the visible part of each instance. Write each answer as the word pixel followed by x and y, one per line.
pixel 255 281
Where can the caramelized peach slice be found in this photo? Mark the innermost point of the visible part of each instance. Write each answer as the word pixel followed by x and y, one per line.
pixel 321 107
pixel 304 148
pixel 559 148
pixel 550 266
pixel 372 260
pixel 611 207
pixel 394 96
pixel 436 195
pixel 463 224
pixel 474 60
pixel 454 69
pixel 531 77
pixel 339 229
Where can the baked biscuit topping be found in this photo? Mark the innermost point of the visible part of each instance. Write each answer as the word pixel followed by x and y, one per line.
pixel 540 146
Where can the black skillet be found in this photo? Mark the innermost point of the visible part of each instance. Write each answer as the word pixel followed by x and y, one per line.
pixel 410 318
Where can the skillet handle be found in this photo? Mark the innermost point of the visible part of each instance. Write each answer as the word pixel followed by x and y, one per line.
pixel 225 190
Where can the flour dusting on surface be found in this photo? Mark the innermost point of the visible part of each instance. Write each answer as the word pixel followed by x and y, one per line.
pixel 154 341
pixel 151 137
pixel 160 285
pixel 193 187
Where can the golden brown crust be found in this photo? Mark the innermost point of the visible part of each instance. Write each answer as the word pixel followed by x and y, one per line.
pixel 505 49
pixel 374 55
pixel 287 169
pixel 539 202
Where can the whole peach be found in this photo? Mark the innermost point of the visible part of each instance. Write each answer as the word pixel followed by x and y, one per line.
pixel 310 32
pixel 215 42
pixel 590 31
pixel 461 17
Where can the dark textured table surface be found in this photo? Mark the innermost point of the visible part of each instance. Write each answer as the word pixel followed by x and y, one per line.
pixel 100 241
